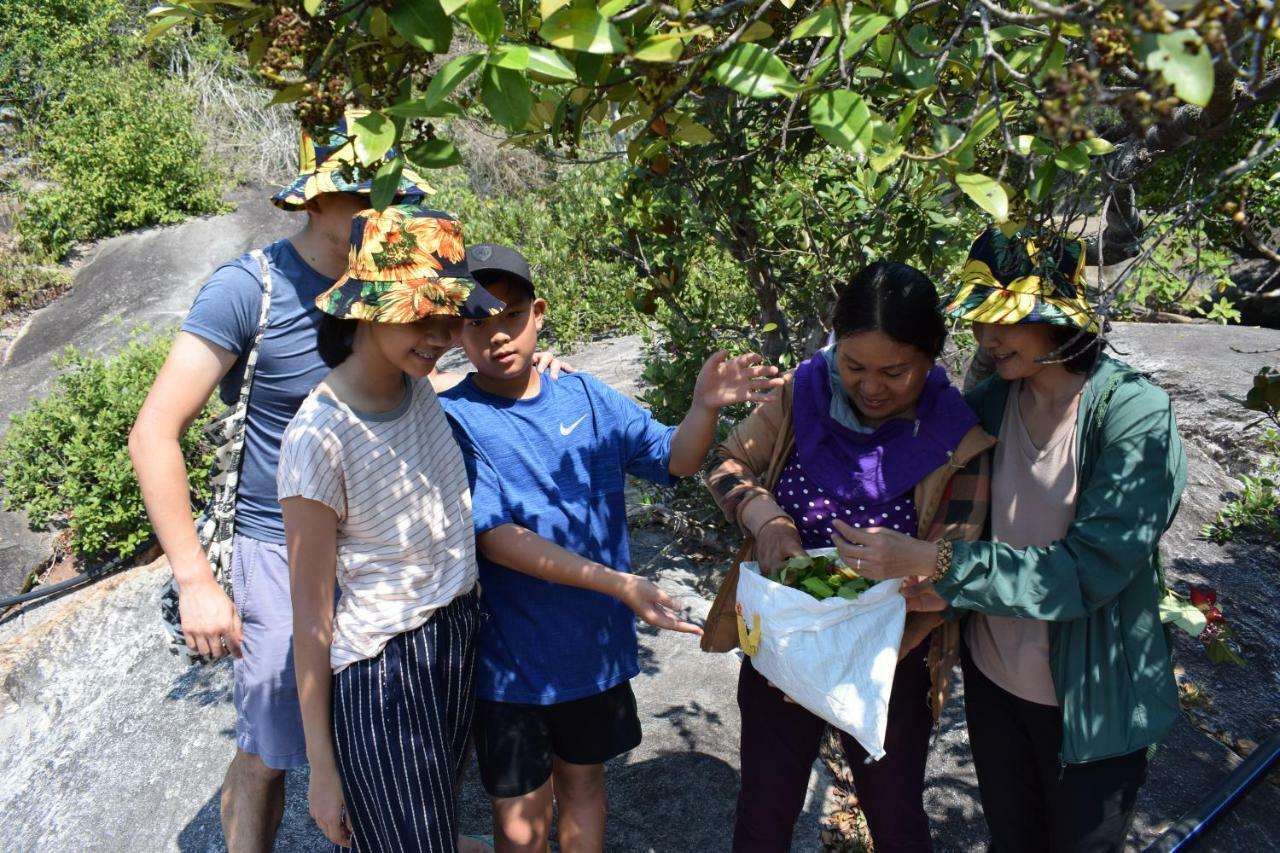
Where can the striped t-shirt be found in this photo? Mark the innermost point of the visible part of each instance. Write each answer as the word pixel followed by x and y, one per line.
pixel 397 482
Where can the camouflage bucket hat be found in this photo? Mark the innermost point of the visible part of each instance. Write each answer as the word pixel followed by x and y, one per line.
pixel 325 167
pixel 1021 276
pixel 406 263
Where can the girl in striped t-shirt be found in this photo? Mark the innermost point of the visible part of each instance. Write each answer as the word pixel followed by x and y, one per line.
pixel 374 493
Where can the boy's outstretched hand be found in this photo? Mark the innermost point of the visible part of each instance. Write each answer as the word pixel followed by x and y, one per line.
pixel 724 381
pixel 654 606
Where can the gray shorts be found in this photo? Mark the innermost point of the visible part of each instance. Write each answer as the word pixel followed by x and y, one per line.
pixel 268 718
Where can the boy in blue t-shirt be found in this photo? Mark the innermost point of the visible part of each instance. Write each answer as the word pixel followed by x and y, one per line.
pixel 548 464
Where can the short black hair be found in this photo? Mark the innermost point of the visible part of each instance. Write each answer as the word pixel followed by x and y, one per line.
pixel 893 298
pixel 487 278
pixel 1077 351
pixel 335 338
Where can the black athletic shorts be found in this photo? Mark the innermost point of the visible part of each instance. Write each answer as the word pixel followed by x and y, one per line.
pixel 515 742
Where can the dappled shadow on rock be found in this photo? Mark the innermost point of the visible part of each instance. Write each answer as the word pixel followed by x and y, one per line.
pixel 203 685
pixel 298 833
pixel 687 719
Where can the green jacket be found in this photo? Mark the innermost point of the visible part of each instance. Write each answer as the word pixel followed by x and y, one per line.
pixel 1101 584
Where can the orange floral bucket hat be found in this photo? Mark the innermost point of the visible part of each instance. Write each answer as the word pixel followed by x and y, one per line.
pixel 329 165
pixel 406 263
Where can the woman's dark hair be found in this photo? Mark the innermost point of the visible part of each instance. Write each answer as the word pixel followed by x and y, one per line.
pixel 1076 350
pixel 335 338
pixel 895 299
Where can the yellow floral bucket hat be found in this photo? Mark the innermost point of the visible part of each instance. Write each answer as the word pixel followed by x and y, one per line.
pixel 1020 276
pixel 406 263
pixel 326 167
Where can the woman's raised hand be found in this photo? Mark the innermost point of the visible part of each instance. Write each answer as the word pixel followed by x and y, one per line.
pixel 724 381
pixel 881 554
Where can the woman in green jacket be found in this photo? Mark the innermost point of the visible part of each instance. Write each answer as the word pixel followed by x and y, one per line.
pixel 1068 678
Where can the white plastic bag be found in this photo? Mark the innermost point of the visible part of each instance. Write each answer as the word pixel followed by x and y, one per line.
pixel 834 657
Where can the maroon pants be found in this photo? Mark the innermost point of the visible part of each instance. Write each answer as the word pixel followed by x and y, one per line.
pixel 780 742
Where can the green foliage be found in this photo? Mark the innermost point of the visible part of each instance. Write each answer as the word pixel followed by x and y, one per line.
pixel 111 135
pixel 121 147
pixel 65 459
pixel 1183 276
pixel 43 45
pixel 982 101
pixel 564 231
pixel 1255 511
pixel 28 280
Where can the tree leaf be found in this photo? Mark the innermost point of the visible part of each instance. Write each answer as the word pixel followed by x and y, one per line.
pixel 434 154
pixel 842 118
pixel 485 20
pixel 887 157
pixel 550 64
pixel 513 56
pixel 547 8
pixel 986 192
pixel 864 25
pixel 750 70
pixel 450 76
pixel 375 134
pixel 1073 158
pixel 385 183
pixel 311 7
pixel 423 23
pixel 506 95
pixel 288 94
pixel 419 108
pixel 1042 178
pixel 451 6
pixel 820 24
pixel 582 29
pixel 758 31
pixel 1184 60
pixel 1097 146
pixel 664 47
pixel 162 26
pixel 693 133
pixel 623 123
pixel 769 327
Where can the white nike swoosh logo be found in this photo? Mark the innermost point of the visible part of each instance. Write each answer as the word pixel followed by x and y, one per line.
pixel 565 430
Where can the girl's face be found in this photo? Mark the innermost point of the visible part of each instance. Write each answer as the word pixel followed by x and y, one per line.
pixel 883 378
pixel 1016 348
pixel 415 347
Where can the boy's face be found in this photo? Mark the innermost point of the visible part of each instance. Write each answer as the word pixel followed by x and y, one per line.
pixel 502 346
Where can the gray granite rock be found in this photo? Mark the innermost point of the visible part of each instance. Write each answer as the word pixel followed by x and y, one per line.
pixel 145 278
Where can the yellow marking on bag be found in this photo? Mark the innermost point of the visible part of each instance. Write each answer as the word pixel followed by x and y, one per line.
pixel 748 641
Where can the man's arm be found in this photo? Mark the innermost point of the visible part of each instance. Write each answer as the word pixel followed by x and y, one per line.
pixel 189 375
pixel 523 550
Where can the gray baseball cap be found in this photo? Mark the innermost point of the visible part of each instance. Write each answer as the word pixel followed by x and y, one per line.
pixel 489 261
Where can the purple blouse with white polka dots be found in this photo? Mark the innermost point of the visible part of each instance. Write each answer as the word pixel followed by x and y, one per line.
pixel 812 509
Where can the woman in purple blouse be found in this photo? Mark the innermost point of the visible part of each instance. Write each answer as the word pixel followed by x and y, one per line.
pixel 869 431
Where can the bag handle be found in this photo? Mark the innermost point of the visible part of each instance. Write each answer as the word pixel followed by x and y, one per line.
pixel 224 507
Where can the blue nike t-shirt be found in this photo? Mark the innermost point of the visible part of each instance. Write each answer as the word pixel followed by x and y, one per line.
pixel 225 313
pixel 556 464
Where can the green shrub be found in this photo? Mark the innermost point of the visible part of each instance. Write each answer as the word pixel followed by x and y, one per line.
pixel 28 280
pixel 565 232
pixel 65 460
pixel 121 148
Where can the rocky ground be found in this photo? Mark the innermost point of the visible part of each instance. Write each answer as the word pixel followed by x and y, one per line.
pixel 106 742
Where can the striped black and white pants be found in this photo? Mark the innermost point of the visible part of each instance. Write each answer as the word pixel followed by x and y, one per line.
pixel 400 725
